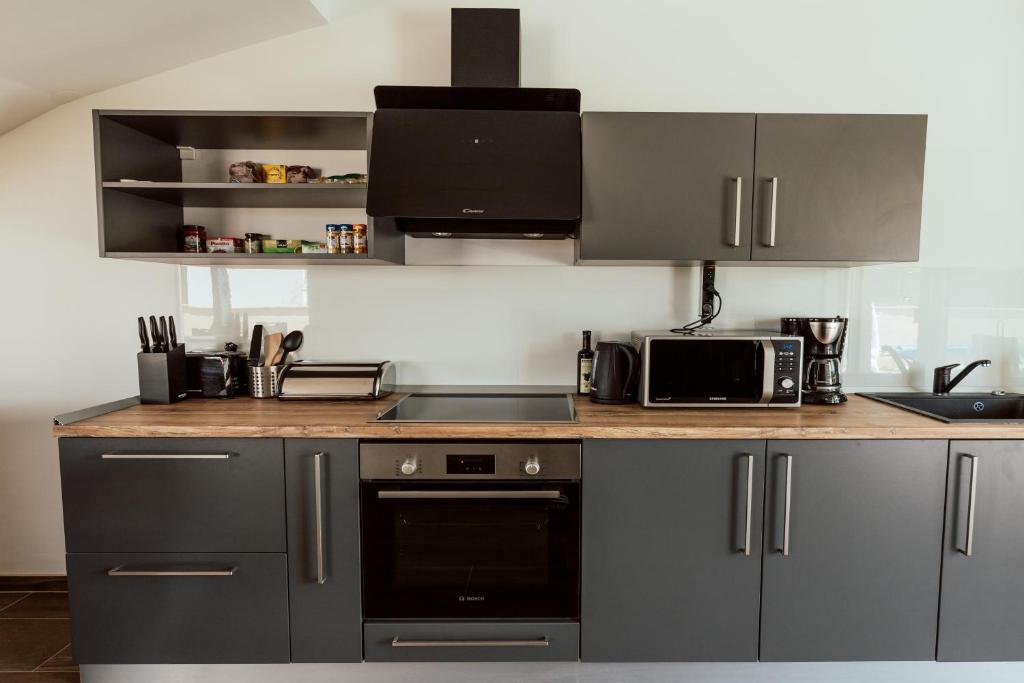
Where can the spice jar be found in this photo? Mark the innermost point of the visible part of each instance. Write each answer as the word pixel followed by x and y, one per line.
pixel 359 238
pixel 194 239
pixel 347 238
pixel 253 243
pixel 333 238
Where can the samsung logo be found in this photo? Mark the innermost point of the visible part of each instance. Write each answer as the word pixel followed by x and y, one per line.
pixel 472 211
pixel 717 398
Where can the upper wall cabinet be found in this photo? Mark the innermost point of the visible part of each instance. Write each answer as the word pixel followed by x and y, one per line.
pixel 666 187
pixel 679 188
pixel 838 188
pixel 146 189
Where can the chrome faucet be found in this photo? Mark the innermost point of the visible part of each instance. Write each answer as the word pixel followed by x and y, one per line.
pixel 942 384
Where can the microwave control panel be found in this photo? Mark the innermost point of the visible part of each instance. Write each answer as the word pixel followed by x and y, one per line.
pixel 788 357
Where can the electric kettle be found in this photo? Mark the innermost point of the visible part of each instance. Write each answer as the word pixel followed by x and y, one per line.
pixel 616 373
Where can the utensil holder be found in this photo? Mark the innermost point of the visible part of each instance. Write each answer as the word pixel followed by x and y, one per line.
pixel 163 377
pixel 264 381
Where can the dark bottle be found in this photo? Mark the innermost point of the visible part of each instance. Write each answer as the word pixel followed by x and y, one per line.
pixel 584 365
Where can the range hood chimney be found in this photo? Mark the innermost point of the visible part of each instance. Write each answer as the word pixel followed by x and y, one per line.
pixel 485 48
pixel 483 158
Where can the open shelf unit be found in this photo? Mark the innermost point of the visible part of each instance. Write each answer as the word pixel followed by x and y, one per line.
pixel 141 219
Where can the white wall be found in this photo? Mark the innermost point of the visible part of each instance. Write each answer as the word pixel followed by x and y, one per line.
pixel 959 63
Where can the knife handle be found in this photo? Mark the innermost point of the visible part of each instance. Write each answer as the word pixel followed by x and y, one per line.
pixel 163 335
pixel 144 336
pixel 154 331
pixel 172 333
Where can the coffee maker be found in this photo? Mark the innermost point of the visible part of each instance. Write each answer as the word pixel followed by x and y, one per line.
pixel 824 341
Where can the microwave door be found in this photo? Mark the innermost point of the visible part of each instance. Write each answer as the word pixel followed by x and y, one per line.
pixel 705 372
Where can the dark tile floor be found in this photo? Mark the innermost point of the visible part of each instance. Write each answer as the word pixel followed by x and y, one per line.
pixel 35 635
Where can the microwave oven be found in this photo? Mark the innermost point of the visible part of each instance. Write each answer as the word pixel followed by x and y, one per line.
pixel 706 368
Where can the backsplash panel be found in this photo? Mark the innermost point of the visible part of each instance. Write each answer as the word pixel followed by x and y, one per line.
pixel 515 324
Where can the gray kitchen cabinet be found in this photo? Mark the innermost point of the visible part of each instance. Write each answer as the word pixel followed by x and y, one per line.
pixel 173 495
pixel 838 187
pixel 666 187
pixel 323 549
pixel 671 550
pixel 853 539
pixel 982 613
pixel 175 608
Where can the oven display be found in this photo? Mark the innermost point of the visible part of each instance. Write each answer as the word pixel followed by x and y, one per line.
pixel 470 464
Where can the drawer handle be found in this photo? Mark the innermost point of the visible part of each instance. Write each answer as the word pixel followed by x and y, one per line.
pixel 540 642
pixel 521 495
pixel 122 570
pixel 165 456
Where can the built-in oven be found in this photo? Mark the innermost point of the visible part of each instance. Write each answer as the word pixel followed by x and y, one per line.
pixel 471 531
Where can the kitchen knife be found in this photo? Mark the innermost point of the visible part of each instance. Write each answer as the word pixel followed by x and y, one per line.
pixel 163 335
pixel 173 333
pixel 154 331
pixel 143 335
pixel 256 345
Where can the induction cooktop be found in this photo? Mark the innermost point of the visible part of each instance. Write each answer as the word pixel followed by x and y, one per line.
pixel 547 408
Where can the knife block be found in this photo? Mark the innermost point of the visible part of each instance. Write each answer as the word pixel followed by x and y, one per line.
pixel 163 377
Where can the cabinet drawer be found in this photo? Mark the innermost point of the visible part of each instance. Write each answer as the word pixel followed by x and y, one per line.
pixel 202 608
pixel 173 495
pixel 471 642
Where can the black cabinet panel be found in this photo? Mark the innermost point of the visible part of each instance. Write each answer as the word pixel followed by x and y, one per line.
pixel 472 641
pixel 665 575
pixel 861 580
pixel 173 495
pixel 663 186
pixel 163 608
pixel 982 614
pixel 323 577
pixel 848 187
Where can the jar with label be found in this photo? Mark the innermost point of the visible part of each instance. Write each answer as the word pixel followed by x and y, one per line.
pixel 347 238
pixel 333 238
pixel 359 238
pixel 253 243
pixel 194 239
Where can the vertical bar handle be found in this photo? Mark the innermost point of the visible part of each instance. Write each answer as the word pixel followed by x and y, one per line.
pixel 750 504
pixel 773 212
pixel 972 499
pixel 788 502
pixel 739 211
pixel 318 498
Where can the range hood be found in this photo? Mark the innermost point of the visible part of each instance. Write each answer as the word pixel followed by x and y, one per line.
pixel 483 158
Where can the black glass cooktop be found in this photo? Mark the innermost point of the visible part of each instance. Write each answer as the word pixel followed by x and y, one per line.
pixel 481 408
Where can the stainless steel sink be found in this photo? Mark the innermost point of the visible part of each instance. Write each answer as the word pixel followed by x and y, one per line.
pixel 956 408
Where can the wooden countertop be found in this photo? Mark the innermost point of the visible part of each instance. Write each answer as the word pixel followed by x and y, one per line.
pixel 860 418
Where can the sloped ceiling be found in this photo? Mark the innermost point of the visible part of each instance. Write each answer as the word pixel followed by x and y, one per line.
pixel 54 51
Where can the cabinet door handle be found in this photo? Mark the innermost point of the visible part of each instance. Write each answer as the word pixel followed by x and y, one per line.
pixel 750 503
pixel 318 498
pixel 165 456
pixel 972 499
pixel 539 642
pixel 772 212
pixel 739 210
pixel 469 495
pixel 123 570
pixel 788 501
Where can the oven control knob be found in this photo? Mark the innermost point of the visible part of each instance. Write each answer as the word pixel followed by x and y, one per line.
pixel 409 466
pixel 786 383
pixel 532 465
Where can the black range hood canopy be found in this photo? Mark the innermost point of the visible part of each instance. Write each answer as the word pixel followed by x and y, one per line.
pixel 484 158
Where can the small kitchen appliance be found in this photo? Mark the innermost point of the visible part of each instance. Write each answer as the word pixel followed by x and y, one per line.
pixel 712 368
pixel 824 341
pixel 616 373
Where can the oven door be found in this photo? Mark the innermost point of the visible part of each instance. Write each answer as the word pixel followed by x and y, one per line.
pixel 708 371
pixel 480 550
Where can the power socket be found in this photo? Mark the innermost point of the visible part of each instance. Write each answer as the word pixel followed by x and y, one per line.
pixel 707 292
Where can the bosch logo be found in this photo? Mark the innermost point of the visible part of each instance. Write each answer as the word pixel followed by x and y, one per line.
pixel 978 406
pixel 471 598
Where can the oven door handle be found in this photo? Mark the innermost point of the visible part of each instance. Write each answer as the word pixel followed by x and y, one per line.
pixel 539 642
pixel 475 495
